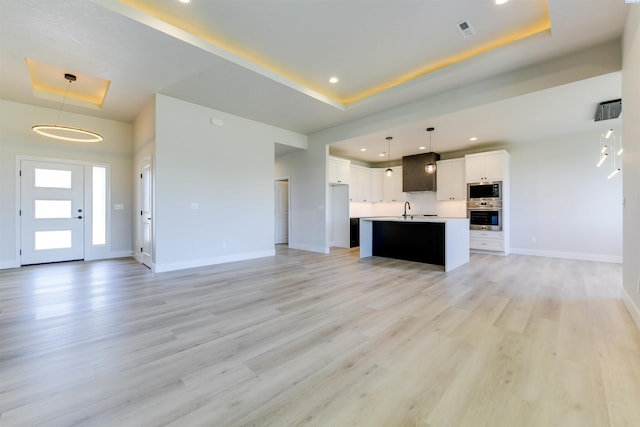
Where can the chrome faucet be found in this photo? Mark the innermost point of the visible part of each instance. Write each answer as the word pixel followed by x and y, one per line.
pixel 405 209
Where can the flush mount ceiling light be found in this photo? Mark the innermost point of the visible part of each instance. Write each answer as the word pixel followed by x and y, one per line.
pixel 389 171
pixel 333 80
pixel 431 166
pixel 67 133
pixel 501 1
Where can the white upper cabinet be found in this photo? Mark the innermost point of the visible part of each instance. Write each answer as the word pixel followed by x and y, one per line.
pixel 339 170
pixel 376 184
pixel 360 184
pixel 451 179
pixel 392 186
pixel 488 166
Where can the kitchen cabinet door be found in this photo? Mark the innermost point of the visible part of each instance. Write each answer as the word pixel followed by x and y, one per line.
pixel 392 186
pixel 360 184
pixel 377 176
pixel 339 170
pixel 485 166
pixel 451 180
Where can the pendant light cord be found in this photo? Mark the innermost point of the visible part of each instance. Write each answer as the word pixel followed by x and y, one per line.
pixel 64 99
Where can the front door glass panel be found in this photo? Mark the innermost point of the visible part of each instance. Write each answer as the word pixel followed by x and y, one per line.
pixel 52 178
pixel 56 239
pixel 52 209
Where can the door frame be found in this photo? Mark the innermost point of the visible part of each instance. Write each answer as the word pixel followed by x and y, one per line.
pixel 91 252
pixel 139 230
pixel 288 179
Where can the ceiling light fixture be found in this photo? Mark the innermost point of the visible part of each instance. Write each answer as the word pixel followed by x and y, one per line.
pixel 185 1
pixel 501 1
pixel 333 80
pixel 431 166
pixel 422 148
pixel 473 138
pixel 363 149
pixel 609 133
pixel 602 159
pixel 67 133
pixel 389 171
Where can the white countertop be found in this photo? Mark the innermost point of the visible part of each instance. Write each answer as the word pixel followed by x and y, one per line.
pixel 416 218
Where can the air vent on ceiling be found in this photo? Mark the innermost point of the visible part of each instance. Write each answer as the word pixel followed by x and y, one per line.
pixel 466 29
pixel 608 110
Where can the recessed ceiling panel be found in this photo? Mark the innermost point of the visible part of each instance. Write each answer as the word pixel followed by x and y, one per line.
pixel 49 82
pixel 309 41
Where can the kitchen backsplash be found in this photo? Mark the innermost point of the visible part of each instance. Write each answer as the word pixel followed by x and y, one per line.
pixel 421 203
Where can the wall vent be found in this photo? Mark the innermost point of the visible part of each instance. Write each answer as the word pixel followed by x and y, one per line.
pixel 466 29
pixel 608 110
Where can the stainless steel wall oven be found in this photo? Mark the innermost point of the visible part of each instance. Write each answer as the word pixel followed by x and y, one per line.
pixel 484 205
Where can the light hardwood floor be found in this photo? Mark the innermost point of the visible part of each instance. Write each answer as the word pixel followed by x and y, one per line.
pixel 319 340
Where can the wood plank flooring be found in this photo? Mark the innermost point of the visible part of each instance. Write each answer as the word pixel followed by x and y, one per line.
pixel 303 339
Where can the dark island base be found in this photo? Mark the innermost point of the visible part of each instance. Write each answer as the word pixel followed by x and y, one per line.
pixel 421 242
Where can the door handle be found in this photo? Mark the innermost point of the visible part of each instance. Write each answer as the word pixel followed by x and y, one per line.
pixel 78 217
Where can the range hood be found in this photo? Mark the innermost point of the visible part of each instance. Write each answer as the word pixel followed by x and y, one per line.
pixel 414 176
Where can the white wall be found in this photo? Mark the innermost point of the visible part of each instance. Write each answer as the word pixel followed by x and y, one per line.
pixel 214 198
pixel 560 199
pixel 631 166
pixel 17 139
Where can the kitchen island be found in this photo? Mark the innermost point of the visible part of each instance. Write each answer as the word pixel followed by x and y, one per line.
pixel 432 240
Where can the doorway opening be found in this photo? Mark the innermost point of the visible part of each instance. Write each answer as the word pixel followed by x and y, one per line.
pixel 281 211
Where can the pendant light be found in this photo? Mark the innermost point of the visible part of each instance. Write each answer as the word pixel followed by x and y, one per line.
pixel 431 166
pixel 67 133
pixel 389 171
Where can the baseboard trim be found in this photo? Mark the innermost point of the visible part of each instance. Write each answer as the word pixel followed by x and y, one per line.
pixel 203 262
pixel 310 248
pixel 634 310
pixel 112 255
pixel 9 264
pixel 569 255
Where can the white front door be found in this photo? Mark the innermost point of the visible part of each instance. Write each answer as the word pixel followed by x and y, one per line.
pixel 145 214
pixel 281 211
pixel 51 212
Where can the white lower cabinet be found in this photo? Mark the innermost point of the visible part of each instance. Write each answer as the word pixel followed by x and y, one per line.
pixel 486 240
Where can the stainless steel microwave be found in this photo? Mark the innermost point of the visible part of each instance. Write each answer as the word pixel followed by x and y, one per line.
pixel 483 191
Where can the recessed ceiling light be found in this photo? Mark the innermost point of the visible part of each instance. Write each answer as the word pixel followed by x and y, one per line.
pixel 363 149
pixel 333 80
pixel 381 154
pixel 185 1
pixel 501 1
pixel 422 148
pixel 473 138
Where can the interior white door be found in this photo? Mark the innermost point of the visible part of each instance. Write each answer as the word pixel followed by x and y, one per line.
pixel 51 212
pixel 282 211
pixel 146 214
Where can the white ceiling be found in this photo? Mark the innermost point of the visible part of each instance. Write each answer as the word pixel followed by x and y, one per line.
pixel 270 60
